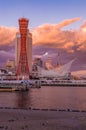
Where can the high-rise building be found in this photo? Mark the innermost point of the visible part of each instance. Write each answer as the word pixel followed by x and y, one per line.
pixel 38 62
pixel 48 64
pixel 28 49
pixel 10 65
pixel 23 58
pixel 36 67
pixel 17 49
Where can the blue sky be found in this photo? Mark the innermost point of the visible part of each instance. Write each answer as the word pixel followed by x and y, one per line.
pixel 41 11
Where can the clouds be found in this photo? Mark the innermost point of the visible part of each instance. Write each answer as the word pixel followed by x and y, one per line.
pixel 83 26
pixel 71 43
pixel 67 22
pixel 7 35
pixel 50 35
pixel 53 35
pixel 7 41
pixel 47 38
pixel 81 37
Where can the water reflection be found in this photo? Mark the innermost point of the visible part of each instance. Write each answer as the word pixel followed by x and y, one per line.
pixel 46 97
pixel 22 99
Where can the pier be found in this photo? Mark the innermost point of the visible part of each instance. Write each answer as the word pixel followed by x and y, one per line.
pixel 25 85
pixel 18 85
pixel 64 83
pixel 13 85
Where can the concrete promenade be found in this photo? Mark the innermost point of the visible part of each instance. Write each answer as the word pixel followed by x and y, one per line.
pixel 26 119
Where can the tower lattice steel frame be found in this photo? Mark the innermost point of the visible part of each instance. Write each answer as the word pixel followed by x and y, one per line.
pixel 23 68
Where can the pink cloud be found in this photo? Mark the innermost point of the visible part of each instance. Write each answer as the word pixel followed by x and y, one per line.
pixel 52 35
pixel 7 35
pixel 67 22
pixel 47 34
pixel 7 41
pixel 49 37
pixel 81 37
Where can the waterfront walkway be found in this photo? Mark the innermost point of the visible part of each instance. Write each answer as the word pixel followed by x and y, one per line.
pixel 21 119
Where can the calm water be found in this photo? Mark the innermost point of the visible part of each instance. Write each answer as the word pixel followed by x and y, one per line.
pixel 46 97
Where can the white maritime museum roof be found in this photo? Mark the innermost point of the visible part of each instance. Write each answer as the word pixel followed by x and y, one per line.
pixel 56 72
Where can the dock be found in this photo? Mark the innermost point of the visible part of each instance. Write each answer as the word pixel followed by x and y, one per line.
pixel 12 85
pixel 18 85
pixel 64 83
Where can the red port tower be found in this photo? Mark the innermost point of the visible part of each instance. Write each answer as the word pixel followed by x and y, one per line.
pixel 23 68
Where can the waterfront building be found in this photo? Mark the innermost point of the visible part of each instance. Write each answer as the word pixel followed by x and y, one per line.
pixel 58 60
pixel 62 71
pixel 10 66
pixel 29 50
pixel 48 64
pixel 17 48
pixel 38 62
pixel 35 67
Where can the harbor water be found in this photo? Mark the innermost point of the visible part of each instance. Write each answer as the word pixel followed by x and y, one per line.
pixel 46 98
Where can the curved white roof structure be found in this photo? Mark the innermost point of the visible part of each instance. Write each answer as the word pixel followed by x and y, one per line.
pixel 56 72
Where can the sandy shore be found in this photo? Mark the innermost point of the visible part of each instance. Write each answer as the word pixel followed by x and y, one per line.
pixel 18 119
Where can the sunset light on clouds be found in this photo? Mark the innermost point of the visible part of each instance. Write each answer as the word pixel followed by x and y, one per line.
pixel 55 26
pixel 7 35
pixel 51 35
